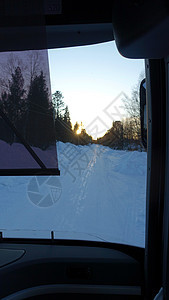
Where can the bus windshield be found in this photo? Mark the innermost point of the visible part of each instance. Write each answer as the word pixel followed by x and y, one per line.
pixel 90 99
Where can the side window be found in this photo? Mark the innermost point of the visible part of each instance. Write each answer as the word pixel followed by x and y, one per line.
pixel 27 133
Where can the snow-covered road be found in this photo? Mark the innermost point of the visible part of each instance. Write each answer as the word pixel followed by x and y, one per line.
pixel 108 196
pixel 100 195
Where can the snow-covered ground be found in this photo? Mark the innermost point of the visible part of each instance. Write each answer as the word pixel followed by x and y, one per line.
pixel 100 196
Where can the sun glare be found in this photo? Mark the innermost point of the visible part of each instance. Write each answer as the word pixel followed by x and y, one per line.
pixel 79 130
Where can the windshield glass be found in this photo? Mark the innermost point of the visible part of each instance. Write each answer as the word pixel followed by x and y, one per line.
pixel 100 194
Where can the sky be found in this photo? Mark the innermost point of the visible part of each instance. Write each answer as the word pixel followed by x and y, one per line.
pixel 93 80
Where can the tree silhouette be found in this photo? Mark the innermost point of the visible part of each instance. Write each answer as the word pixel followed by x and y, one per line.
pixel 132 106
pixel 114 136
pixel 84 138
pixel 40 114
pixel 63 125
pixel 67 126
pixel 13 103
pixel 81 138
pixel 58 103
pixel 76 127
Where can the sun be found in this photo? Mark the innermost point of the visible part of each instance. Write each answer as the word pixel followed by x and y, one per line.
pixel 79 130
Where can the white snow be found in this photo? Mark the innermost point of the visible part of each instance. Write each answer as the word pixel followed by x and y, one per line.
pixel 100 196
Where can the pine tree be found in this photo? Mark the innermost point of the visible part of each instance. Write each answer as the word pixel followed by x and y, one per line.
pixel 76 127
pixel 67 126
pixel 13 103
pixel 84 138
pixel 66 117
pixel 58 103
pixel 40 115
pixel 63 125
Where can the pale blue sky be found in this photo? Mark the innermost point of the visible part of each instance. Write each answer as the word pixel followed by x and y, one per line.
pixel 90 78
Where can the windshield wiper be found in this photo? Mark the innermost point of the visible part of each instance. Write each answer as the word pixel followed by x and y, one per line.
pixel 43 170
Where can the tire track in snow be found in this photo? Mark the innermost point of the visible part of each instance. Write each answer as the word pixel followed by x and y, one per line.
pixel 84 181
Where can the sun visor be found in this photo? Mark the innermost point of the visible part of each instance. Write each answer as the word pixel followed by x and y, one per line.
pixel 141 28
pixel 23 23
pixel 47 24
pixel 27 131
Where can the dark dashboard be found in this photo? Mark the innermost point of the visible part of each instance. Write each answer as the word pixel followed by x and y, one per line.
pixel 29 270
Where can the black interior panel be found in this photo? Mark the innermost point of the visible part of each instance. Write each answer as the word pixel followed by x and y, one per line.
pixel 68 265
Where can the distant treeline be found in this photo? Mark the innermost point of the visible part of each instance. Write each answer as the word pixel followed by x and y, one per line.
pixel 123 135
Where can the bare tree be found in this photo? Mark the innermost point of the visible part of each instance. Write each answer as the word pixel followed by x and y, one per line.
pixel 35 66
pixel 31 64
pixel 132 106
pixel 7 68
